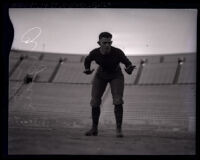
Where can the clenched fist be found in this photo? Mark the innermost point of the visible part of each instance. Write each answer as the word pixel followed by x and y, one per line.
pixel 88 71
pixel 130 69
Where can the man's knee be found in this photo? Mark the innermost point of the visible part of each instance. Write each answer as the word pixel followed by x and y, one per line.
pixel 95 102
pixel 118 101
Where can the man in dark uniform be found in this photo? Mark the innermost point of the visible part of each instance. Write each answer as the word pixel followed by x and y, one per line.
pixel 109 71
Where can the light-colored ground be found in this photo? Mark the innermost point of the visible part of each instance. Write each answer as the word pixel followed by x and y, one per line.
pixel 72 141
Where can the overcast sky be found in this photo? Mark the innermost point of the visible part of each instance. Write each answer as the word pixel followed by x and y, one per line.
pixel 135 31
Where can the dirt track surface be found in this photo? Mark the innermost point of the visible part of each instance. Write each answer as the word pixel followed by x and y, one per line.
pixel 72 141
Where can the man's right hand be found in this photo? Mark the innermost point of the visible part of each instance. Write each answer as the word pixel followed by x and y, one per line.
pixel 130 69
pixel 88 71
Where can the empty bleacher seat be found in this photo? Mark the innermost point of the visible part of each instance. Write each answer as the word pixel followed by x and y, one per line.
pixel 66 57
pixel 12 63
pixel 26 54
pixel 25 67
pixel 73 73
pixel 14 54
pixel 130 79
pixel 171 58
pixel 45 70
pixel 31 55
pixel 13 89
pixel 161 73
pixel 72 58
pixel 148 59
pixel 134 59
pixel 151 59
pixel 35 68
pixel 52 57
pixel 187 73
pixel 191 57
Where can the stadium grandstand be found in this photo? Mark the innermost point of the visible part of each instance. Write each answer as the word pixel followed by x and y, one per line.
pixel 49 90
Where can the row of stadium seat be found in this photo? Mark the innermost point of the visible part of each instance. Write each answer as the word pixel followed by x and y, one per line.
pixel 158 73
pixel 61 71
pixel 16 54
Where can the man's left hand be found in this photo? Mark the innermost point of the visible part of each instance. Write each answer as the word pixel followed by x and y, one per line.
pixel 130 69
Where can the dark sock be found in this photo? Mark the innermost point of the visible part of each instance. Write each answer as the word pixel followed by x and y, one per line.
pixel 95 116
pixel 118 115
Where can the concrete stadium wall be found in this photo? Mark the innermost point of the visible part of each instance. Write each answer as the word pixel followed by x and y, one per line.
pixel 53 104
pixel 171 107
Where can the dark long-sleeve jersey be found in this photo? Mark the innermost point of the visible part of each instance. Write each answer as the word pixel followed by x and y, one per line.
pixel 108 63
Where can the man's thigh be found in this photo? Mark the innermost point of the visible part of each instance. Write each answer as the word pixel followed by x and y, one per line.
pixel 98 88
pixel 117 90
